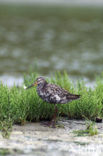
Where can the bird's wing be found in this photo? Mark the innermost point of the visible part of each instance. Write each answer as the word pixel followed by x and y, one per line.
pixel 54 89
pixel 55 93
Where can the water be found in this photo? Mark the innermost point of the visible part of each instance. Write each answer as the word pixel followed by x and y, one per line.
pixel 54 38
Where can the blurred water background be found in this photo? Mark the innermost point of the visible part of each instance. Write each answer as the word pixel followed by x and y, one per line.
pixel 51 37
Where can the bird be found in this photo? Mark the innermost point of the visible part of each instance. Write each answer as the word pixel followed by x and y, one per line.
pixel 53 94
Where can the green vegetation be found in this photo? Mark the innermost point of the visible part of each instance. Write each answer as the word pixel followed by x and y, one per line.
pixel 8 151
pixel 90 130
pixel 18 105
pixel 6 127
pixel 4 151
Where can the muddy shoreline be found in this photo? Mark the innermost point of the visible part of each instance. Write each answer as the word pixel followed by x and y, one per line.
pixel 36 139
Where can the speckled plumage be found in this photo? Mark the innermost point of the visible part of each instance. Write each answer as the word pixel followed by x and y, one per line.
pixel 52 93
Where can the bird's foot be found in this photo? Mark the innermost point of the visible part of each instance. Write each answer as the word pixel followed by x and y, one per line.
pixel 60 126
pixel 55 125
pixel 51 124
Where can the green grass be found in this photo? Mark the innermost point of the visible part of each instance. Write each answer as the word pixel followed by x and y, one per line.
pixel 18 105
pixel 8 151
pixel 90 130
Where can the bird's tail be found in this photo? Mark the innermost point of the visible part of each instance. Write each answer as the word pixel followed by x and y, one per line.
pixel 73 96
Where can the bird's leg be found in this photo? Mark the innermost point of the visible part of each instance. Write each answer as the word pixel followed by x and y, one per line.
pixel 53 121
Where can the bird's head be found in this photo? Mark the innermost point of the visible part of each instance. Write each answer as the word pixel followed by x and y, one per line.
pixel 39 82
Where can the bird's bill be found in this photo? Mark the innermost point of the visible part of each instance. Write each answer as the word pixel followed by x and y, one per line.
pixel 32 85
